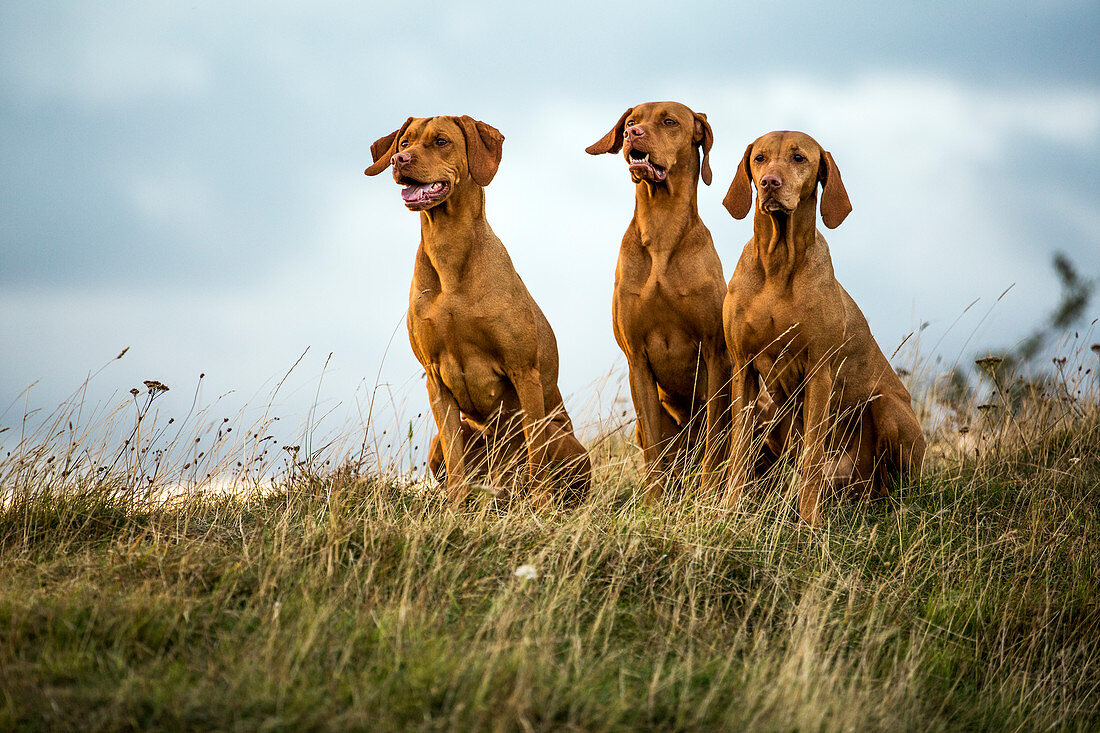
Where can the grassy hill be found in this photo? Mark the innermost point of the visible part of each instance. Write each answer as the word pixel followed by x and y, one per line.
pixel 339 599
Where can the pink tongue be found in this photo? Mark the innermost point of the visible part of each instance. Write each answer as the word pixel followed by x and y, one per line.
pixel 414 193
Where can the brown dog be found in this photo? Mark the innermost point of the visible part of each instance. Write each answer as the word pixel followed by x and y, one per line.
pixel 669 286
pixel 489 353
pixel 788 320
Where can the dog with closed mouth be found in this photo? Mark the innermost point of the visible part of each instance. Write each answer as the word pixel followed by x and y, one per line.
pixel 489 354
pixel 842 409
pixel 669 287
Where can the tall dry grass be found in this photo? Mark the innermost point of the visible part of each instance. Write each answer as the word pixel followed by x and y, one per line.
pixel 324 591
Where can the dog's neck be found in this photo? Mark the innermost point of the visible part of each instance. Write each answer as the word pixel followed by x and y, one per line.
pixel 664 211
pixel 782 239
pixel 451 231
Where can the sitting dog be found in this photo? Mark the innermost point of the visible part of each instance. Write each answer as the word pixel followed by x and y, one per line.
pixel 788 320
pixel 489 353
pixel 669 286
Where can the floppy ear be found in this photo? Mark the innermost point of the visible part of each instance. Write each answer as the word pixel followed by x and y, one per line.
pixel 383 149
pixel 704 136
pixel 484 148
pixel 738 200
pixel 612 142
pixel 835 205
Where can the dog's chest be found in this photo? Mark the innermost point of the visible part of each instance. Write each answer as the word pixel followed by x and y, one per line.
pixel 657 292
pixel 429 320
pixel 454 335
pixel 766 324
pixel 657 277
pixel 769 327
pixel 439 321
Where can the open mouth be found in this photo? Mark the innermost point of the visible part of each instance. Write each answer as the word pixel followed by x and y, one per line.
pixel 419 196
pixel 639 162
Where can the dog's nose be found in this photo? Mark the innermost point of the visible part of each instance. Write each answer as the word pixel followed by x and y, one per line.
pixel 635 131
pixel 771 181
pixel 401 158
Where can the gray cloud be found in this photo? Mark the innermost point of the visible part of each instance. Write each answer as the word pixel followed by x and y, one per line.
pixel 188 179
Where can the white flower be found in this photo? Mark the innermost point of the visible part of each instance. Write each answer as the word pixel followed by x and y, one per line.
pixel 526 572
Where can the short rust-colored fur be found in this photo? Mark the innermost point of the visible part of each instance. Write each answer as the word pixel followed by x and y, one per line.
pixel 669 286
pixel 489 353
pixel 788 321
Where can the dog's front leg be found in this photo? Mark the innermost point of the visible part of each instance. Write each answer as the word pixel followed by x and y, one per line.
pixel 744 390
pixel 815 414
pixel 528 384
pixel 448 419
pixel 647 407
pixel 718 418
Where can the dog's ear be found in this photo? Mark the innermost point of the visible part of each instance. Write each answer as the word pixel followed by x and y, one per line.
pixel 835 205
pixel 704 137
pixel 738 200
pixel 612 142
pixel 484 148
pixel 383 149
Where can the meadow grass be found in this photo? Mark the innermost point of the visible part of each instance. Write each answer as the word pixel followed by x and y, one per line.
pixel 344 598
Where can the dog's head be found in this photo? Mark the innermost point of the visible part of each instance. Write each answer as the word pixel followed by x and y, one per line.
pixel 432 156
pixel 786 167
pixel 655 137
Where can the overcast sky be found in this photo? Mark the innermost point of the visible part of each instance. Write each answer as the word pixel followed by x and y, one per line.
pixel 186 178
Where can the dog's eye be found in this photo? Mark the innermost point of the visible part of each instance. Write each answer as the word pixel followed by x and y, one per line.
pixel 799 158
pixel 759 158
pixel 669 121
pixel 441 141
